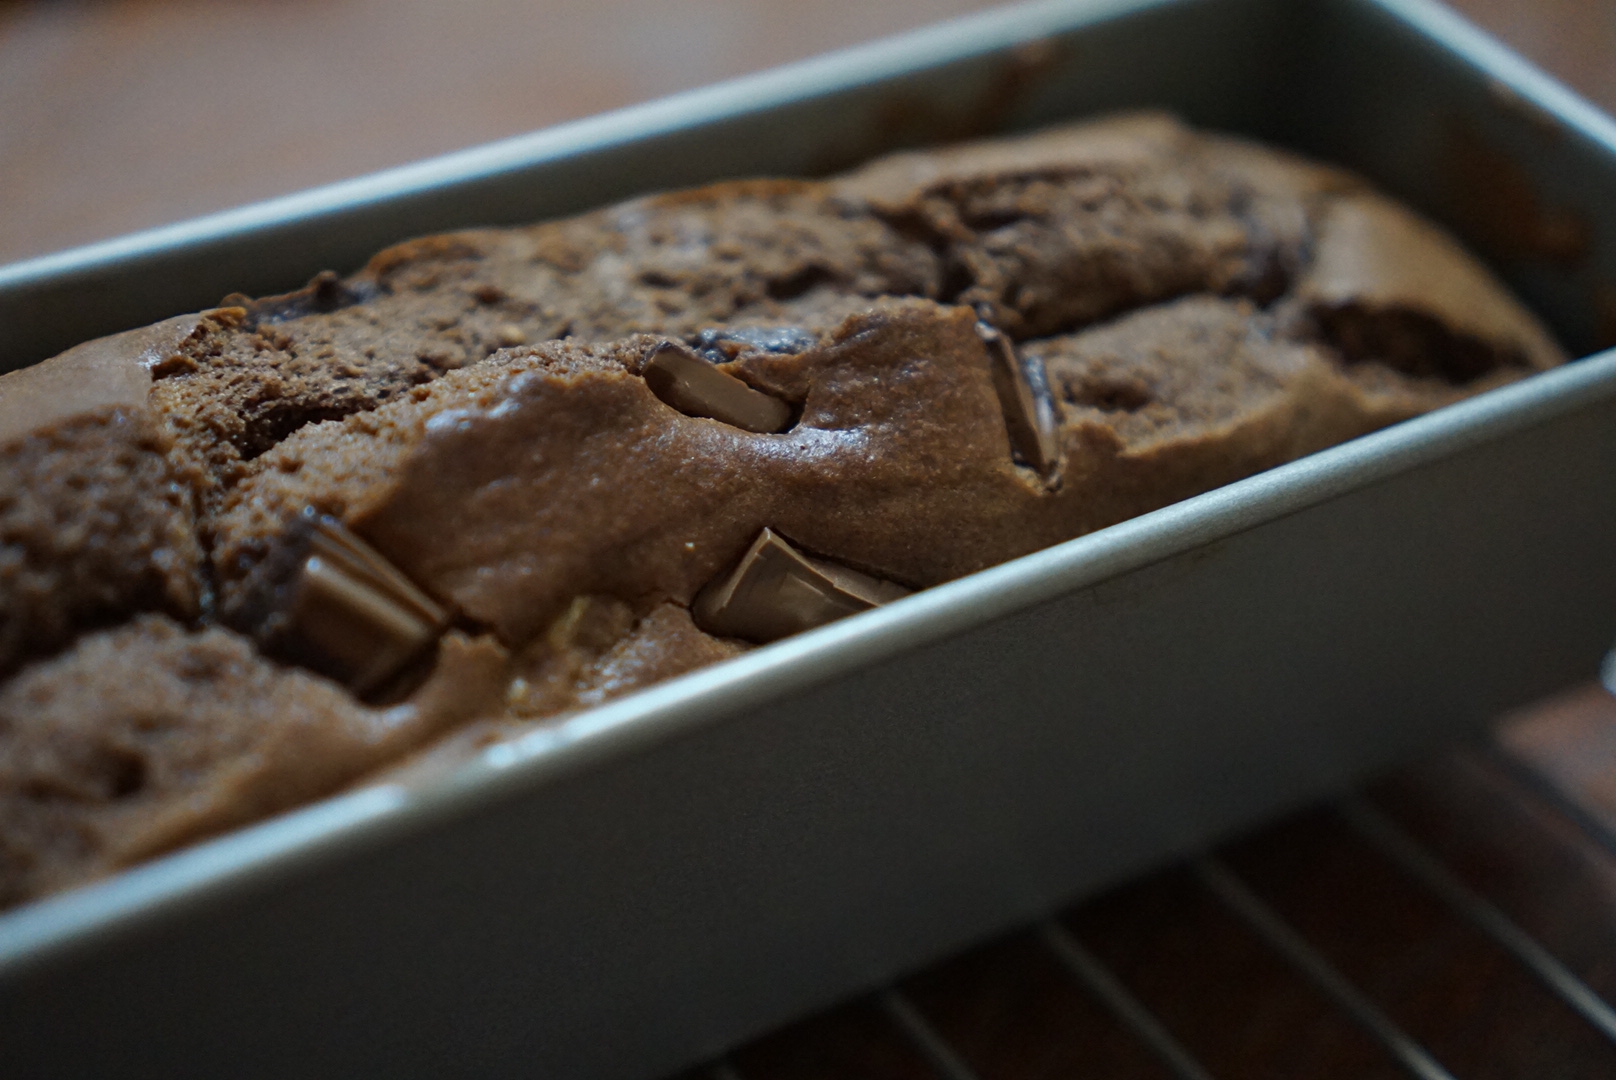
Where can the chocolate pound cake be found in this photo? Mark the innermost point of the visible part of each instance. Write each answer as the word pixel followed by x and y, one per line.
pixel 252 555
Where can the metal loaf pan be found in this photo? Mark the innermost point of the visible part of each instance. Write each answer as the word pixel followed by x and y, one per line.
pixel 656 879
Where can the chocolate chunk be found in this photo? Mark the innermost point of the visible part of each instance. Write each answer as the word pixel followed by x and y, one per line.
pixel 353 615
pixel 1029 407
pixel 326 292
pixel 695 387
pixel 777 591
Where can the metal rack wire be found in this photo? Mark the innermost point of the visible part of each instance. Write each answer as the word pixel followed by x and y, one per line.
pixel 1362 819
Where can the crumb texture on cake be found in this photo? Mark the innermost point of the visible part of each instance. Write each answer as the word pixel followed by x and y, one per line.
pixel 94 526
pixel 951 358
pixel 142 738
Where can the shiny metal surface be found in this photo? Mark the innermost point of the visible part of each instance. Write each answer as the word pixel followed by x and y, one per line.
pixel 649 882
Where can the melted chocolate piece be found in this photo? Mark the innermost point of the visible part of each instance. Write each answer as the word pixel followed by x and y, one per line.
pixel 695 387
pixel 777 591
pixel 365 618
pixel 332 603
pixel 1029 407
pixel 326 292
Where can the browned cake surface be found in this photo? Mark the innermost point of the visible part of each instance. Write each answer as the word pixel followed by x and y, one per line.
pixel 475 408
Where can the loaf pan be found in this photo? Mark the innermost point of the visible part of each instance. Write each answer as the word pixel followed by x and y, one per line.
pixel 650 882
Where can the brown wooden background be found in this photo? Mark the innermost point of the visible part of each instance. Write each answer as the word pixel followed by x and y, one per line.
pixel 117 115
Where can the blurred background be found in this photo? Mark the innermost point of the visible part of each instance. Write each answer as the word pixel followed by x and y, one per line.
pixel 118 115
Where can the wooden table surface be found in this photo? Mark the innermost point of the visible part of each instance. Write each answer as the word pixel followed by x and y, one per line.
pixel 1457 919
pixel 117 115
